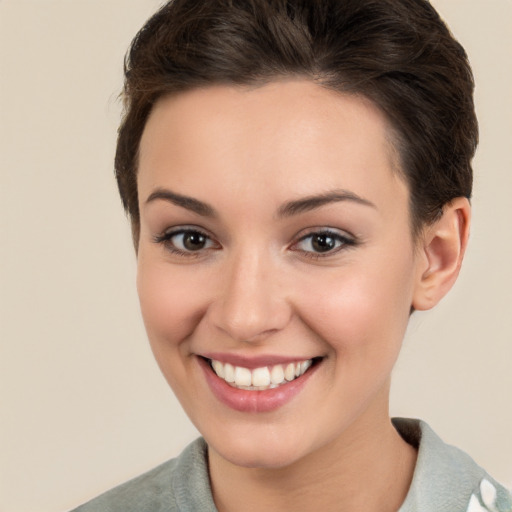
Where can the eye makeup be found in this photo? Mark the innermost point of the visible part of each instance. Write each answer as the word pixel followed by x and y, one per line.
pixel 193 242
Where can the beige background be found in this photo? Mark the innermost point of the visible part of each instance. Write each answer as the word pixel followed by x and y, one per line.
pixel 83 406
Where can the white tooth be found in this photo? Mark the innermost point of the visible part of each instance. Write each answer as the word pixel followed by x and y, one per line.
pixel 277 374
pixel 229 373
pixel 242 376
pixel 289 373
pixel 305 365
pixel 218 368
pixel 260 377
pixel 297 369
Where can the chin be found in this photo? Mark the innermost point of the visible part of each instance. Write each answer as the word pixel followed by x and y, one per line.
pixel 252 456
pixel 269 449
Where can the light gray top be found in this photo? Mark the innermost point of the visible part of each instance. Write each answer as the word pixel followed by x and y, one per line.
pixel 445 480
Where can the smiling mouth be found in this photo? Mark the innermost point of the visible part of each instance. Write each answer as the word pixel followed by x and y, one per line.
pixel 263 378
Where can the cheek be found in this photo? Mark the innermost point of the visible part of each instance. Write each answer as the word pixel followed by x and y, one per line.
pixel 171 303
pixel 171 307
pixel 360 308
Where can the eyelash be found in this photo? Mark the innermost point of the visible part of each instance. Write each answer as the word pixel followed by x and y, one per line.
pixel 166 237
pixel 343 240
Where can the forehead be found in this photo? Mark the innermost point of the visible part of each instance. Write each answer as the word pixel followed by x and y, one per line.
pixel 277 141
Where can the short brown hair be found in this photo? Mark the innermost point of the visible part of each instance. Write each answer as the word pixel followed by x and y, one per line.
pixel 397 53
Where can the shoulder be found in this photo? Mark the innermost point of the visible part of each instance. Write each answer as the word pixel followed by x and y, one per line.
pixel 179 484
pixel 145 492
pixel 445 478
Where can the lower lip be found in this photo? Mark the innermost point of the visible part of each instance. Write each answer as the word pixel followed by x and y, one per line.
pixel 254 401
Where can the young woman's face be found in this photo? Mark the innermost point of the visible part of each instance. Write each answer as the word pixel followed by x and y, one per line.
pixel 275 241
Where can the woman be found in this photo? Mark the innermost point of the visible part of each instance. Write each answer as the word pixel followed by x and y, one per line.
pixel 297 176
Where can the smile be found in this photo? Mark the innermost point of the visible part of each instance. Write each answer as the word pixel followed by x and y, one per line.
pixel 260 379
pixel 257 385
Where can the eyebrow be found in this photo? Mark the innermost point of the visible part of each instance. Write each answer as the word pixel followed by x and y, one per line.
pixel 186 202
pixel 312 202
pixel 288 209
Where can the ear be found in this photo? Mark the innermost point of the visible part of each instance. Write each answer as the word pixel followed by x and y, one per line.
pixel 441 250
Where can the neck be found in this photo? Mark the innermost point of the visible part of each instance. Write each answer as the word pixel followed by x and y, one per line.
pixel 369 467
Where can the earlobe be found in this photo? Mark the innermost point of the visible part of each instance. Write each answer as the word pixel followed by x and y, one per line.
pixel 442 249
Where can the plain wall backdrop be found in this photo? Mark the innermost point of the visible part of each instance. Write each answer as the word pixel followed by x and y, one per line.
pixel 83 405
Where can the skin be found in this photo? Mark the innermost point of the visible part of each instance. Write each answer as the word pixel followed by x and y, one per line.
pixel 256 288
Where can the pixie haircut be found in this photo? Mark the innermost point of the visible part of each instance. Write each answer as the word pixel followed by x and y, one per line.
pixel 397 53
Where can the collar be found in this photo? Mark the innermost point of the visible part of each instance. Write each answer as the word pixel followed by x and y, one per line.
pixel 445 478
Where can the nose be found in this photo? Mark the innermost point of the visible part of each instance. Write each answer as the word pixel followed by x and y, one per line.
pixel 252 304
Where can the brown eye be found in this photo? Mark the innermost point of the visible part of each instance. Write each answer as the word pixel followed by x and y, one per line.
pixel 193 240
pixel 323 242
pixel 185 242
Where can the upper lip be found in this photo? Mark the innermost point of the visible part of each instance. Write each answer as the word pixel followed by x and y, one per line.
pixel 252 362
